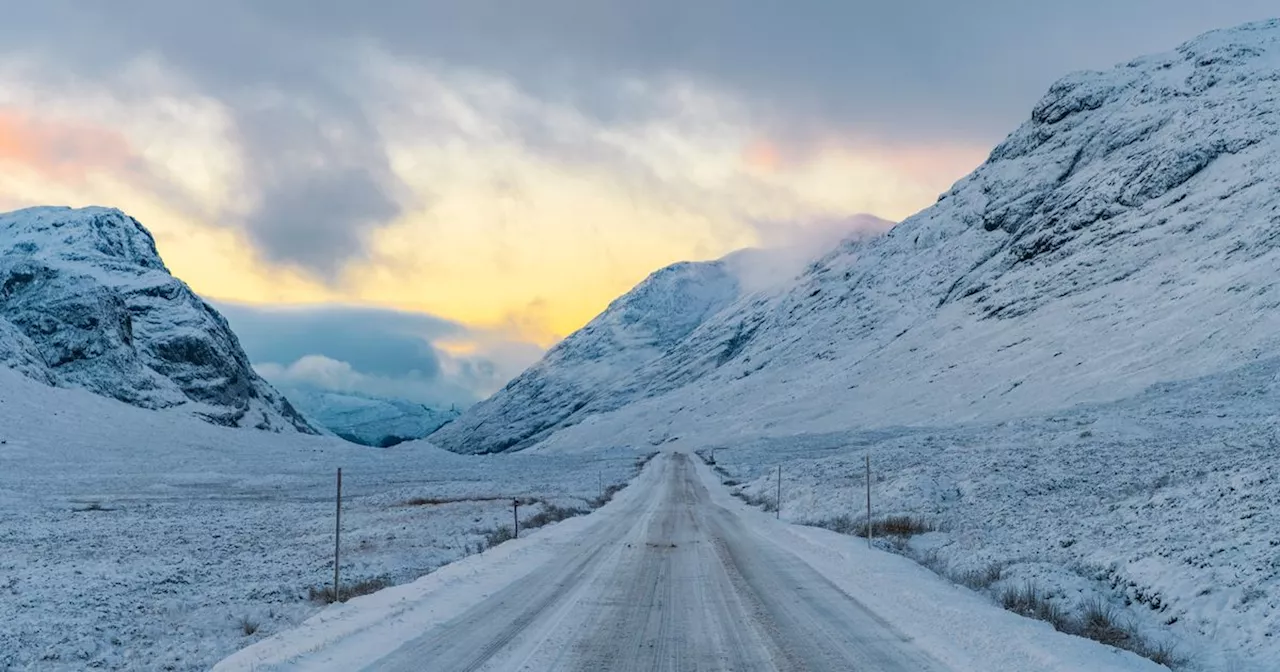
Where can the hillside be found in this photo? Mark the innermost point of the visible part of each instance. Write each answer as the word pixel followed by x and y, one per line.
pixel 1123 236
pixel 590 371
pixel 593 370
pixel 86 301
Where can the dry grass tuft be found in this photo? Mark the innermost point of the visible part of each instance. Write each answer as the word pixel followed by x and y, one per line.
pixel 349 590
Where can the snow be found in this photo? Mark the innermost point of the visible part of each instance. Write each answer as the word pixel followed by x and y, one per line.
pixel 953 625
pixel 374 624
pixel 137 539
pixel 586 368
pixel 85 301
pixel 1162 505
pixel 366 419
pixel 590 371
pixel 1069 363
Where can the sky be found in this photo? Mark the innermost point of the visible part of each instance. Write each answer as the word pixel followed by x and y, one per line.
pixel 439 190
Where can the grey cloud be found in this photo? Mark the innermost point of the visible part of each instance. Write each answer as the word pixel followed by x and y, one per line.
pixel 383 342
pixel 894 72
pixel 935 67
pixel 788 247
pixel 920 67
pixel 315 160
pixel 316 219
pixel 391 353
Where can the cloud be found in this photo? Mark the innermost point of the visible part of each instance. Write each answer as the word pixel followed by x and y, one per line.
pixel 349 171
pixel 317 372
pixel 385 342
pixel 570 217
pixel 469 159
pixel 813 237
pixel 61 150
pixel 924 68
pixel 311 161
pixel 376 351
pixel 318 220
pixel 786 248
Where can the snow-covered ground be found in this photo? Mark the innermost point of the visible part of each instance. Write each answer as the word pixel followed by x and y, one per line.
pixel 135 539
pixel 1164 505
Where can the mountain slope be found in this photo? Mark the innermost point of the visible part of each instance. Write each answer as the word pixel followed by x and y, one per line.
pixel 589 371
pixel 85 301
pixel 593 370
pixel 368 420
pixel 1126 234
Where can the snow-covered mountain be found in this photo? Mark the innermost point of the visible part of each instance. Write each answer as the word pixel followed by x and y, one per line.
pixel 1126 234
pixel 366 419
pixel 594 369
pixel 591 371
pixel 85 301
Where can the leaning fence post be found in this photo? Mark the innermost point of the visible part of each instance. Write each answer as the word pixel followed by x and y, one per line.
pixel 337 539
pixel 515 517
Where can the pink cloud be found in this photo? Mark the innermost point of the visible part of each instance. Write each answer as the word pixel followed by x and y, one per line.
pixel 60 150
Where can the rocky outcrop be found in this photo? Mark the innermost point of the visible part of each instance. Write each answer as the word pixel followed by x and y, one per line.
pixel 85 301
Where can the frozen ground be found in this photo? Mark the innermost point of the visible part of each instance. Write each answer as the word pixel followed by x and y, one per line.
pixel 1165 504
pixel 140 540
pixel 676 575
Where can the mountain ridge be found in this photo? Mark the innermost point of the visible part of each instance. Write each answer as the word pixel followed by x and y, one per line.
pixel 1123 236
pixel 368 419
pixel 580 376
pixel 86 301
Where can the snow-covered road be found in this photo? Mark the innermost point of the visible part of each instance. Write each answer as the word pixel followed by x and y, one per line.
pixel 675 575
pixel 673 583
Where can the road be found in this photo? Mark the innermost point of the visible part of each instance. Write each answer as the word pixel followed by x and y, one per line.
pixel 675 582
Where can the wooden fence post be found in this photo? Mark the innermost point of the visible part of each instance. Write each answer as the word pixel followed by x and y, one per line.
pixel 515 516
pixel 337 541
pixel 870 529
pixel 779 492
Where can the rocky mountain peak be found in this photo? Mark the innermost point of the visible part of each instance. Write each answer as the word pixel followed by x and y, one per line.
pixel 86 301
